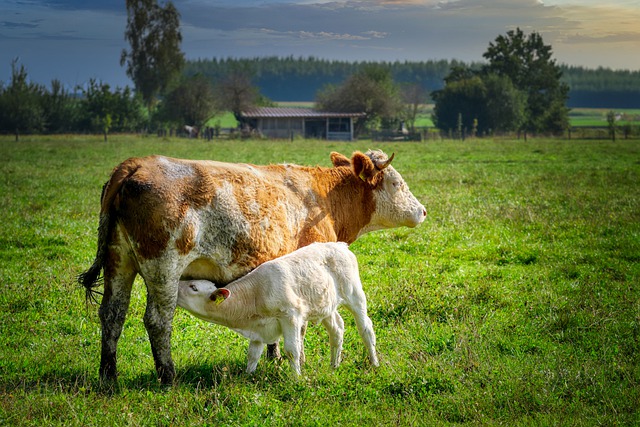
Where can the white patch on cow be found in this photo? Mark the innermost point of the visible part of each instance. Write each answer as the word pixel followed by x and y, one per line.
pixel 223 224
pixel 258 173
pixel 253 207
pixel 225 201
pixel 265 223
pixel 174 170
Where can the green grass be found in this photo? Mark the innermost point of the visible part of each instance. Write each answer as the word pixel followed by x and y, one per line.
pixel 598 116
pixel 225 120
pixel 517 302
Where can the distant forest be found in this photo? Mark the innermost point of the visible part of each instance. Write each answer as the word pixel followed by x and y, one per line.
pixel 299 79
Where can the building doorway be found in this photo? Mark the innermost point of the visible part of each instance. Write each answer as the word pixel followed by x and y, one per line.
pixel 315 129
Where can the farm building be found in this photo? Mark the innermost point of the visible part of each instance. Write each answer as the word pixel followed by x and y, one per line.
pixel 279 122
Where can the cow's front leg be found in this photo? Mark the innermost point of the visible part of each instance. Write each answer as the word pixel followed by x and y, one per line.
pixel 158 318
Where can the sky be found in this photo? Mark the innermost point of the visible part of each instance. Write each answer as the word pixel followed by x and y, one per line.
pixel 76 40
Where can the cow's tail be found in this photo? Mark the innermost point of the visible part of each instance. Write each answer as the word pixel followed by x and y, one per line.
pixel 92 278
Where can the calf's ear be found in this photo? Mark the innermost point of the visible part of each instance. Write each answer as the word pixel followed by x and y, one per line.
pixel 363 167
pixel 339 159
pixel 219 295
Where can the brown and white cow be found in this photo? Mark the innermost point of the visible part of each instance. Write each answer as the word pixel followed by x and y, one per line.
pixel 168 219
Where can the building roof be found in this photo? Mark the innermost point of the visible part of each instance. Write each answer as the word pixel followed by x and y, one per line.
pixel 289 112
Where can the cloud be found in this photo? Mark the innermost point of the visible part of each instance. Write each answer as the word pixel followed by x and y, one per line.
pixel 414 30
pixel 324 35
pixel 453 20
pixel 87 35
pixel 14 25
pixel 601 39
pixel 376 34
pixel 104 5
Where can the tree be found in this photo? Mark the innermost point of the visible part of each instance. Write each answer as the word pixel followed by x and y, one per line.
pixel 473 102
pixel 104 110
pixel 20 104
pixel 370 91
pixel 192 102
pixel 611 124
pixel 98 107
pixel 528 62
pixel 236 93
pixel 461 105
pixel 413 96
pixel 505 105
pixel 60 109
pixel 155 59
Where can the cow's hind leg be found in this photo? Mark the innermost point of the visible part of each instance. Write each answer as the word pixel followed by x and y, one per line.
pixel 273 351
pixel 162 295
pixel 118 281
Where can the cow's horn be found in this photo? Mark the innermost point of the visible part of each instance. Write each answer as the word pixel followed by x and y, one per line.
pixel 387 163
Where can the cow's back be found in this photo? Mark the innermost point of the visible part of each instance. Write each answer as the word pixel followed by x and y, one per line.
pixel 220 219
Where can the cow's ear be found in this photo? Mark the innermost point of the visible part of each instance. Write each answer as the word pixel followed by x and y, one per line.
pixel 363 166
pixel 219 295
pixel 339 159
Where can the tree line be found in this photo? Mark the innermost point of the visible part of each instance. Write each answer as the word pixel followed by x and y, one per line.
pixel 27 107
pixel 299 79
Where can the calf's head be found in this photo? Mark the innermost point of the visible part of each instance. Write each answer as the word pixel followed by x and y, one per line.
pixel 200 297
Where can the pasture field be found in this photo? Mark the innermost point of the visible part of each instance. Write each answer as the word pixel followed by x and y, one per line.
pixel 517 301
pixel 598 117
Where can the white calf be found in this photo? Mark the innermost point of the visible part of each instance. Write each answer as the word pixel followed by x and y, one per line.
pixel 280 296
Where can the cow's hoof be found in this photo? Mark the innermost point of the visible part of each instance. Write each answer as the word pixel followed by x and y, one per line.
pixel 167 376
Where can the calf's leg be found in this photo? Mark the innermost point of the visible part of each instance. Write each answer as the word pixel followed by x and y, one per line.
pixel 273 350
pixel 335 328
pixel 303 332
pixel 253 355
pixel 358 306
pixel 292 342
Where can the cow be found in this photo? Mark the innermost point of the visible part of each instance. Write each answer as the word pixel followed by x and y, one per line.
pixel 192 131
pixel 167 219
pixel 280 296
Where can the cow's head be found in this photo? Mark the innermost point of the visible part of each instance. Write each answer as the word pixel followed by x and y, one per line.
pixel 395 205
